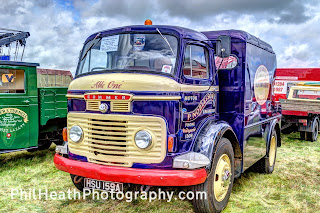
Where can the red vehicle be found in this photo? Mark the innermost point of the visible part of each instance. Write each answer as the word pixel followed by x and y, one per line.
pixel 287 77
pixel 296 114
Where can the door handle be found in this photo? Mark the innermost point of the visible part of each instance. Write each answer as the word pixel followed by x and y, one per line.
pixel 26 101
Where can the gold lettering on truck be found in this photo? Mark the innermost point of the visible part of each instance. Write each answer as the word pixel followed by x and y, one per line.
pixel 15 111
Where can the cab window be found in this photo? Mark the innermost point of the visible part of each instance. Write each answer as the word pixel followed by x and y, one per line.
pixel 12 81
pixel 306 94
pixel 195 62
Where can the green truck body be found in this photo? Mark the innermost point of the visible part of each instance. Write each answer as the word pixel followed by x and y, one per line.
pixel 31 117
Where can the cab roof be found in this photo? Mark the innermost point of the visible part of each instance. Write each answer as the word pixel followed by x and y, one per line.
pixel 180 32
pixel 186 33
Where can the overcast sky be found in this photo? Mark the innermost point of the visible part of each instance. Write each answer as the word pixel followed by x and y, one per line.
pixel 58 28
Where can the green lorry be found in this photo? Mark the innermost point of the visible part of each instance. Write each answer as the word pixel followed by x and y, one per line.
pixel 33 106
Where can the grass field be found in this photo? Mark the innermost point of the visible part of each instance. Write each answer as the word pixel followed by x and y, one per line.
pixel 293 187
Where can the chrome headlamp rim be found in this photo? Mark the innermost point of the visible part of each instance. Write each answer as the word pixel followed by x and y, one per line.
pixel 147 135
pixel 76 129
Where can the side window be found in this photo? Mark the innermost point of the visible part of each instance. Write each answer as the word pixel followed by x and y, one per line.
pixel 195 62
pixel 11 81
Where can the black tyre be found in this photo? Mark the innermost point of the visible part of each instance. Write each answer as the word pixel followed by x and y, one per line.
pixel 266 164
pixel 45 146
pixel 303 135
pixel 313 136
pixel 288 130
pixel 78 182
pixel 219 182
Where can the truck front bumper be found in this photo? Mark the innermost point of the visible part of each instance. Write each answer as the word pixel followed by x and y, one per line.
pixel 153 177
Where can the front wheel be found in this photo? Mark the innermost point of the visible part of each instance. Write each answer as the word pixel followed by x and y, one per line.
pixel 219 182
pixel 78 182
pixel 43 146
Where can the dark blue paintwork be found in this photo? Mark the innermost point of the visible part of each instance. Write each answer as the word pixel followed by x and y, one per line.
pixel 233 107
pixel 77 157
pixel 238 105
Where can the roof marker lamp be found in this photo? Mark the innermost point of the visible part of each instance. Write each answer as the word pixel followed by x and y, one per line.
pixel 75 133
pixel 148 22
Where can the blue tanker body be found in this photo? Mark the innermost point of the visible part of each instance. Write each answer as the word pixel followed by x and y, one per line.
pixel 170 106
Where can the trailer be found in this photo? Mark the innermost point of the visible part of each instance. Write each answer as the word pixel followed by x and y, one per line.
pixel 285 79
pixel 169 106
pixel 301 110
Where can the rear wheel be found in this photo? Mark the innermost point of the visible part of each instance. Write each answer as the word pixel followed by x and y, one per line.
pixel 266 164
pixel 303 135
pixel 43 145
pixel 219 182
pixel 313 136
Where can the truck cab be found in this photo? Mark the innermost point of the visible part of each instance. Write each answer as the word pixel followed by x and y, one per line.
pixel 33 106
pixel 170 106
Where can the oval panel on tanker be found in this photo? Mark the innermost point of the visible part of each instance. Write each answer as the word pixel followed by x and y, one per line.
pixel 261 84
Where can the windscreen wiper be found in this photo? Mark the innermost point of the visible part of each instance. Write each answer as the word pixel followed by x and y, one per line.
pixel 93 43
pixel 166 40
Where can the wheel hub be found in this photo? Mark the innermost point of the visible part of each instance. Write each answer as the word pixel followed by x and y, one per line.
pixel 226 178
pixel 222 178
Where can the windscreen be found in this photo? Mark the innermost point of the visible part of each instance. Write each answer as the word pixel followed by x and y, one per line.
pixel 130 52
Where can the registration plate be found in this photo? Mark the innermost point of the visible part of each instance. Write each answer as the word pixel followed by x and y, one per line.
pixel 103 185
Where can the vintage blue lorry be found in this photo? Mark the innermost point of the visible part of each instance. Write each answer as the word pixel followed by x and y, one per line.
pixel 169 106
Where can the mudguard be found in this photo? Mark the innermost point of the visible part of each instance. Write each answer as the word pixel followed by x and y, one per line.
pixel 273 128
pixel 208 136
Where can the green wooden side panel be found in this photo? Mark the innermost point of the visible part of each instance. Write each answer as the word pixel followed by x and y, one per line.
pixel 53 103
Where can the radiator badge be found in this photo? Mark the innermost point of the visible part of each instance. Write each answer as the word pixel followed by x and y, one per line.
pixel 103 107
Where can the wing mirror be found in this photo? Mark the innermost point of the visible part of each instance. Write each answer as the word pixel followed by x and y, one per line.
pixel 223 46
